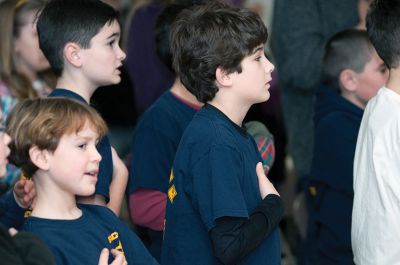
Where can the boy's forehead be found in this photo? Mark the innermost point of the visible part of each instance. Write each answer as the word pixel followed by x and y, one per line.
pixel 110 28
pixel 87 130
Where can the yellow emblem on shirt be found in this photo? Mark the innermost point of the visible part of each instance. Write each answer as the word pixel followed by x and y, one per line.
pixel 171 176
pixel 119 247
pixel 114 236
pixel 27 213
pixel 172 193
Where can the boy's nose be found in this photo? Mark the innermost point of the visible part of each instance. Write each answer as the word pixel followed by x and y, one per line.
pixel 269 67
pixel 96 155
pixel 121 55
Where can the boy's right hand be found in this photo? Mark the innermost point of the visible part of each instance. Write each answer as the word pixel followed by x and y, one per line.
pixel 264 184
pixel 119 257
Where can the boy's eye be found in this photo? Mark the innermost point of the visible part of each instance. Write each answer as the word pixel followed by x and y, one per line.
pixel 82 146
pixel 260 56
pixel 111 43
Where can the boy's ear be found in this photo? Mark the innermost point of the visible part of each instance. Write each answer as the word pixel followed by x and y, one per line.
pixel 72 53
pixel 223 78
pixel 348 80
pixel 39 158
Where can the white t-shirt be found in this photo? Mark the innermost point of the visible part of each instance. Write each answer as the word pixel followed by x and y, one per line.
pixel 375 229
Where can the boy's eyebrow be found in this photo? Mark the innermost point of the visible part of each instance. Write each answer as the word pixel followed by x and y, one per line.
pixel 257 49
pixel 85 137
pixel 115 34
pixel 382 65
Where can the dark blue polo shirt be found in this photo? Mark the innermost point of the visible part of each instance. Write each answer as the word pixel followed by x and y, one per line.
pixel 214 175
pixel 103 147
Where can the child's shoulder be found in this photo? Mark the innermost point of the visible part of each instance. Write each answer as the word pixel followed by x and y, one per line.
pixel 164 109
pixel 67 93
pixel 167 109
pixel 210 128
pixel 204 125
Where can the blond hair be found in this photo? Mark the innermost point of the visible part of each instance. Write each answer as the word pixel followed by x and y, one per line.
pixel 42 122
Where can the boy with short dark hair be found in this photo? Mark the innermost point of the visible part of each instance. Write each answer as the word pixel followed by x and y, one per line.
pixel 220 209
pixel 80 40
pixel 375 232
pixel 54 142
pixel 352 73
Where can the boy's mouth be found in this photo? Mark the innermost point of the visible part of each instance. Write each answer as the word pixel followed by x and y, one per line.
pixel 92 173
pixel 118 70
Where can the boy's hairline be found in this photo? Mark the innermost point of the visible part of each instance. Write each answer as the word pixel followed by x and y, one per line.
pixel 258 48
pixel 115 34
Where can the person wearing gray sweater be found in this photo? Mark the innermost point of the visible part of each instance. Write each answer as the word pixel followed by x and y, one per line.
pixel 300 31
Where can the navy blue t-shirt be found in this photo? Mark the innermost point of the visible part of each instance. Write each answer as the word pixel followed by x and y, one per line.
pixel 103 147
pixel 214 175
pixel 80 241
pixel 155 141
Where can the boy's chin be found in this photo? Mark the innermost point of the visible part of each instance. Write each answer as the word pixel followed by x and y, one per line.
pixel 264 98
pixel 86 196
pixel 114 81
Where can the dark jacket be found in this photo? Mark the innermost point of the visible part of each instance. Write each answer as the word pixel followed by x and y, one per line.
pixel 330 193
pixel 23 249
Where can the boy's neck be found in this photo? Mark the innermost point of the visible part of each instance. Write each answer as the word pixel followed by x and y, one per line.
pixel 75 85
pixel 235 112
pixel 54 203
pixel 52 209
pixel 394 80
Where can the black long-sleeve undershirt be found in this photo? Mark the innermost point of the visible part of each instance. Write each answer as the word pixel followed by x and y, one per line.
pixel 233 238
